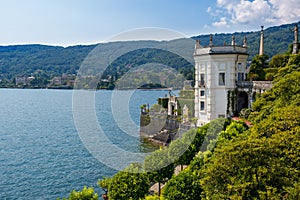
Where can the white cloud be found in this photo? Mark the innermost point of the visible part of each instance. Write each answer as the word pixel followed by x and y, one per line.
pixel 208 9
pixel 286 11
pixel 255 12
pixel 247 12
pixel 222 23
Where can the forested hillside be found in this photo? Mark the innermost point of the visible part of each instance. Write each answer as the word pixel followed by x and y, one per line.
pixel 53 60
pixel 45 62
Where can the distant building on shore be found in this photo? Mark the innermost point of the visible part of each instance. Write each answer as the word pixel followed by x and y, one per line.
pixel 23 80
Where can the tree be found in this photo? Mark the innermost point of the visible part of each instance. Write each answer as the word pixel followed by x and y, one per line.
pixel 284 92
pixel 153 197
pixel 84 194
pixel 279 60
pixel 234 129
pixel 159 167
pixel 186 185
pixel 253 168
pixel 263 162
pixel 128 184
pixel 211 131
pixel 256 73
pixel 183 150
pixel 293 192
pixel 280 120
pixel 292 66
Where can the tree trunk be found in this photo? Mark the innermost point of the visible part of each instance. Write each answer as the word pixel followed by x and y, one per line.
pixel 159 189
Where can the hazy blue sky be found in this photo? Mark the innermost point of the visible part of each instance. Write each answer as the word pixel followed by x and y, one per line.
pixel 69 22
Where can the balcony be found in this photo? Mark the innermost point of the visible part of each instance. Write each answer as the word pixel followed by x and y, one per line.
pixel 244 84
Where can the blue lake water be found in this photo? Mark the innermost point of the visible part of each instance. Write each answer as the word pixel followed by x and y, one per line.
pixel 41 154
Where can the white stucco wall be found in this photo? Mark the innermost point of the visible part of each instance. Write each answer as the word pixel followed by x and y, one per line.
pixel 211 64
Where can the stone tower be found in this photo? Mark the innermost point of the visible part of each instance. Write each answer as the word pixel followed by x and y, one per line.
pixel 296 41
pixel 261 46
pixel 217 71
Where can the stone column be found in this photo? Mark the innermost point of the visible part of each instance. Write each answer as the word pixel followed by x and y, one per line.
pixel 261 48
pixel 245 41
pixel 250 97
pixel 295 43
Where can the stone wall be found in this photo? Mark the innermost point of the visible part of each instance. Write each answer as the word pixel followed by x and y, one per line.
pixel 182 129
pixel 162 129
pixel 152 123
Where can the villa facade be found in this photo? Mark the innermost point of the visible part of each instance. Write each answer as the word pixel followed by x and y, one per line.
pixel 217 71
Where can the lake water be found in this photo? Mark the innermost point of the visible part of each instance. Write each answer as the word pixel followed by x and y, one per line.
pixel 41 153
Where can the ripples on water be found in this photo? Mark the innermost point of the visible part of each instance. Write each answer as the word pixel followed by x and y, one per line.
pixel 41 154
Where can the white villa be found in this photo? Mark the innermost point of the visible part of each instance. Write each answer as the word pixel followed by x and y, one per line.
pixel 220 91
pixel 220 86
pixel 217 69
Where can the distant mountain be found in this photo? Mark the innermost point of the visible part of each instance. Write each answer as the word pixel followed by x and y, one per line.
pixel 47 62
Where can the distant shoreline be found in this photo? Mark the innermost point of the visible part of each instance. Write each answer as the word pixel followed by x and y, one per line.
pixel 67 88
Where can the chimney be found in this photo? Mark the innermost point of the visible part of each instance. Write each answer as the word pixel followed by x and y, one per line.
pixel 295 43
pixel 261 47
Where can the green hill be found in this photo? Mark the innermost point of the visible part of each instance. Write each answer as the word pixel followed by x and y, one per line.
pixel 54 60
pixel 45 62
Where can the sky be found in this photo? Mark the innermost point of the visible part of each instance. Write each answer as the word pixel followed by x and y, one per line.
pixel 73 22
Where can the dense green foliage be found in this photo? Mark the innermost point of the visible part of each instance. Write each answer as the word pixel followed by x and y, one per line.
pixel 262 163
pixel 186 185
pixel 279 60
pixel 84 194
pixel 259 63
pixel 278 66
pixel 128 184
pixel 159 167
pixel 256 168
pixel 284 93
